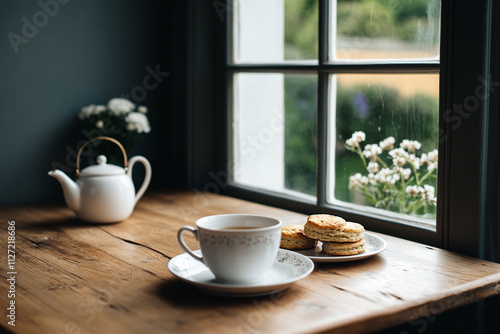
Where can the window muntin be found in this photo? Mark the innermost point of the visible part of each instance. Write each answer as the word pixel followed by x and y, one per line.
pixel 417 71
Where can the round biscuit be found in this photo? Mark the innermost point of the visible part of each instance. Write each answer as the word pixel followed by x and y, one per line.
pixel 292 237
pixel 351 227
pixel 324 221
pixel 344 248
pixel 350 232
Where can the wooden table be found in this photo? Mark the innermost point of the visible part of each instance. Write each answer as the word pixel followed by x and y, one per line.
pixel 72 277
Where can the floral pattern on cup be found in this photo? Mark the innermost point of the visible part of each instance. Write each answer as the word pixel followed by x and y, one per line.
pixel 233 241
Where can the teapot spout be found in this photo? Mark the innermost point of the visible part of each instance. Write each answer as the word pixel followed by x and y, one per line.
pixel 70 189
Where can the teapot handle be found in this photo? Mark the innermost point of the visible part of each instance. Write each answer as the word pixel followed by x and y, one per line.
pixel 100 138
pixel 147 177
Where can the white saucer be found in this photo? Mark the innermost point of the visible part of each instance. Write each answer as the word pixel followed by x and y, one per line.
pixel 288 268
pixel 374 245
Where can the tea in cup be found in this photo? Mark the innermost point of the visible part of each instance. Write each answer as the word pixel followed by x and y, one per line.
pixel 237 248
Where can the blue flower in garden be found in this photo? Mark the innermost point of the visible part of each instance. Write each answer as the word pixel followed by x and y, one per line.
pixel 360 103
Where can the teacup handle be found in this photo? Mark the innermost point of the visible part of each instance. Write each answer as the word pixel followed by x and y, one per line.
pixel 183 244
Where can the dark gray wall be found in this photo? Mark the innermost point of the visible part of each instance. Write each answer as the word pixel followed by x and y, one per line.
pixel 80 52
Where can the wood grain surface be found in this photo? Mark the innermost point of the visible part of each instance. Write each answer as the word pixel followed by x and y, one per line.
pixel 74 277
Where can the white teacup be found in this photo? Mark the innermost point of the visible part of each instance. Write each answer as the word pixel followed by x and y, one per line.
pixel 237 248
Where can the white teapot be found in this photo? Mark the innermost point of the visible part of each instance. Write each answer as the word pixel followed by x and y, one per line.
pixel 103 193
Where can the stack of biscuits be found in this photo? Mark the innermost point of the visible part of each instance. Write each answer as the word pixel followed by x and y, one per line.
pixel 338 237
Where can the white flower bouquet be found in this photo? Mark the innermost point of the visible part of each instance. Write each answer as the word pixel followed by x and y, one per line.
pixel 398 182
pixel 119 119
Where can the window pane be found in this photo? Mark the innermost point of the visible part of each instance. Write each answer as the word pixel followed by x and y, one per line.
pixel 383 142
pixel 275 31
pixel 274 132
pixel 385 29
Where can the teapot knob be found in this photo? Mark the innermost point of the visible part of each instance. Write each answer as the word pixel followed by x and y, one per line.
pixel 101 160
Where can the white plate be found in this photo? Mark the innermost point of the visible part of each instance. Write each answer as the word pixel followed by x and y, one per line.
pixel 288 268
pixel 374 245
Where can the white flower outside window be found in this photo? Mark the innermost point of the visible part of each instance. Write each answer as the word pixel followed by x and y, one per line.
pixel 400 187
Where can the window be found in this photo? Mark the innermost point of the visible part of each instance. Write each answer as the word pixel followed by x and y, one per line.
pixel 466 71
pixel 294 108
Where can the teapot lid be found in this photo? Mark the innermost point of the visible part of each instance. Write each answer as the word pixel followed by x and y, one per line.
pixel 102 169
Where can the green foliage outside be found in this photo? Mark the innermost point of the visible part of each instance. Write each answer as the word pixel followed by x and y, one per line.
pixel 300 133
pixel 301 29
pixel 406 20
pixel 377 110
pixel 413 21
pixel 381 112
